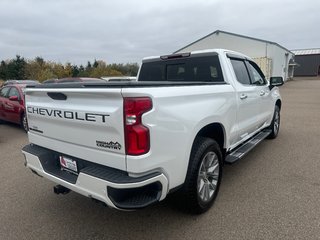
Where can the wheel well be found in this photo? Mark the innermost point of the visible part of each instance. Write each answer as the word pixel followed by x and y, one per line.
pixel 214 131
pixel 278 103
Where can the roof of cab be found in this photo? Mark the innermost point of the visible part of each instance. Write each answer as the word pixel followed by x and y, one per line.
pixel 198 52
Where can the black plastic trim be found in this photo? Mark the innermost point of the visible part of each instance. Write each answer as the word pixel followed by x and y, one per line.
pixel 135 198
pixel 114 175
pixel 57 95
pixel 50 162
pixel 36 130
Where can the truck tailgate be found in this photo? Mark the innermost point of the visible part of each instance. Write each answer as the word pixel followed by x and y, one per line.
pixel 84 123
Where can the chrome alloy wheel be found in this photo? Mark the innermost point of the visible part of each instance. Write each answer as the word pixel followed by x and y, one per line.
pixel 208 177
pixel 276 123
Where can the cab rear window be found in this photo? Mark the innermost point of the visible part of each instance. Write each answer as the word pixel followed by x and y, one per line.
pixel 191 69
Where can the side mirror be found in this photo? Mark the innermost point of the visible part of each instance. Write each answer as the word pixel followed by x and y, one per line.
pixel 14 98
pixel 276 81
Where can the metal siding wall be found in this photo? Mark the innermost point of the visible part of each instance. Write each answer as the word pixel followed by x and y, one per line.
pixel 280 63
pixel 250 47
pixel 309 65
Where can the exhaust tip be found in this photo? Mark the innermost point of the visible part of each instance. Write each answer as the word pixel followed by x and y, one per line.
pixel 58 189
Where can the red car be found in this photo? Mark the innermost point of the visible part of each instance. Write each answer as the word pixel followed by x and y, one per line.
pixel 12 108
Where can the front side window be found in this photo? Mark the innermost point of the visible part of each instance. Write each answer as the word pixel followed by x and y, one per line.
pixel 241 71
pixel 13 92
pixel 257 76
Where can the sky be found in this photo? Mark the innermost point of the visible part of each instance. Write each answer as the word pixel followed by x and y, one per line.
pixel 125 31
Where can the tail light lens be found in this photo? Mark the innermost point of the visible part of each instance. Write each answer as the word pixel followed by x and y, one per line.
pixel 137 137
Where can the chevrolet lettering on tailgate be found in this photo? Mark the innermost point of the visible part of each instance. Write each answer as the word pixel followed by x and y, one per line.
pixel 82 116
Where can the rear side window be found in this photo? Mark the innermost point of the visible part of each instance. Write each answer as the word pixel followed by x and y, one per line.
pixel 192 69
pixel 4 92
pixel 241 71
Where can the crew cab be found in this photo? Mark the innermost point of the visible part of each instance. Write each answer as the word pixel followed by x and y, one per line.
pixel 130 144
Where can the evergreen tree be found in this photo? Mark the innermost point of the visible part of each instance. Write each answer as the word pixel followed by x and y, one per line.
pixel 40 61
pixel 16 68
pixel 75 71
pixel 3 70
pixel 88 67
pixel 95 64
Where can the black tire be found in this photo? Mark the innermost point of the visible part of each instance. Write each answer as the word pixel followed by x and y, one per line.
pixel 203 150
pixel 24 122
pixel 275 124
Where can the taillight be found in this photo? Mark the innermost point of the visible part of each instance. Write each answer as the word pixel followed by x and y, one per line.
pixel 137 135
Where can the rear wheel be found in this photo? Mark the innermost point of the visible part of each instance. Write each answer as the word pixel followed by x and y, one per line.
pixel 275 124
pixel 24 122
pixel 203 177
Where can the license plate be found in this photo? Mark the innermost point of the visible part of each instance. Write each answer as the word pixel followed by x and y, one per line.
pixel 68 164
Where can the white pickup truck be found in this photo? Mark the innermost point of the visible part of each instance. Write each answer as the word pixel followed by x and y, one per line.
pixel 130 144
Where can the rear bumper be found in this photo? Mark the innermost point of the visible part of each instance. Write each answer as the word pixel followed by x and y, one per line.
pixel 111 186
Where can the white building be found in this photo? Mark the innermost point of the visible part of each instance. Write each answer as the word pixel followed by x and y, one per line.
pixel 273 59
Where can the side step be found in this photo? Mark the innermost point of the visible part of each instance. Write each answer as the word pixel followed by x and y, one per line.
pixel 241 151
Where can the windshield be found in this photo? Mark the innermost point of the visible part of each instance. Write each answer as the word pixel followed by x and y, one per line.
pixel 191 69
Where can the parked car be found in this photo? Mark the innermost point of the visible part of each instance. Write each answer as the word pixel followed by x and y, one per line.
pixel 12 105
pixel 10 82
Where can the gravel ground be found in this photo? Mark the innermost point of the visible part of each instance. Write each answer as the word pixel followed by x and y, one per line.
pixel 273 193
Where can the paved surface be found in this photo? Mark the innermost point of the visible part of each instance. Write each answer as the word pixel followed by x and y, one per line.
pixel 274 193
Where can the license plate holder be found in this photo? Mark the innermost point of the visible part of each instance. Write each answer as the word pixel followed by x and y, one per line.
pixel 68 164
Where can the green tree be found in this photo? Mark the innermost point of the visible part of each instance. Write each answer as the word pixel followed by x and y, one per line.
pixel 3 70
pixel 40 69
pixel 40 61
pixel 102 69
pixel 75 71
pixel 89 66
pixel 129 69
pixel 95 64
pixel 16 68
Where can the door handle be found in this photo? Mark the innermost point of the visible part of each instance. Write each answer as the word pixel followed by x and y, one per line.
pixel 243 96
pixel 262 93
